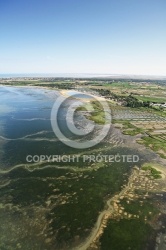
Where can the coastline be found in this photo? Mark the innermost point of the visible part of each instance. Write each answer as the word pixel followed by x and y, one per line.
pixel 101 217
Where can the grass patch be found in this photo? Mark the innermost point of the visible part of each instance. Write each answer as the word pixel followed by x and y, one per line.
pixel 129 129
pixel 150 99
pixel 97 115
pixel 154 144
pixel 154 172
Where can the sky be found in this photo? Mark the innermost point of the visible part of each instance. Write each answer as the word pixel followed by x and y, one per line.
pixel 83 36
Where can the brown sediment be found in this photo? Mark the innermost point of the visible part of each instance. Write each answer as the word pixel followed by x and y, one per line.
pixel 139 179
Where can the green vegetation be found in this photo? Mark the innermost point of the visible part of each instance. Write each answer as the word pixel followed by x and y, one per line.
pixel 153 110
pixel 150 99
pixel 121 84
pixel 132 234
pixel 156 143
pixel 155 173
pixel 129 129
pixel 142 208
pixel 126 234
pixel 97 115
pixel 131 101
pixel 61 202
pixel 52 83
pixel 158 146
pixel 72 199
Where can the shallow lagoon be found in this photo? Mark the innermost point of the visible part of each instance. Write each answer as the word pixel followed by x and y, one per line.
pixel 43 206
pixel 25 124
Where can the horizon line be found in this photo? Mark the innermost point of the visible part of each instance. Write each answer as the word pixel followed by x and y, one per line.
pixel 79 75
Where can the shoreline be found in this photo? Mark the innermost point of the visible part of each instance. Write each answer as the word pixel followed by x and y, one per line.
pixel 112 207
pixel 100 218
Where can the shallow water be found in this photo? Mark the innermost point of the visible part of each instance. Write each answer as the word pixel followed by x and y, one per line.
pixel 25 126
pixel 34 198
pixel 25 123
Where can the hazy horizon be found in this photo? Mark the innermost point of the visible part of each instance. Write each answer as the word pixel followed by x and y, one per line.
pixel 83 75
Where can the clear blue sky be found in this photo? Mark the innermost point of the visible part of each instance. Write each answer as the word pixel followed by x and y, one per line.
pixel 83 36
